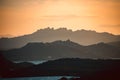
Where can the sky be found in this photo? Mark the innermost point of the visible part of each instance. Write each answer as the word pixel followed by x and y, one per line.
pixel 20 17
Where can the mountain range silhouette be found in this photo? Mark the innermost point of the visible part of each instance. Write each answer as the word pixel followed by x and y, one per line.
pixel 83 37
pixel 61 49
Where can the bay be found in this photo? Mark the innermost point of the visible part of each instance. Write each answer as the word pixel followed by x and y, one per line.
pixel 38 78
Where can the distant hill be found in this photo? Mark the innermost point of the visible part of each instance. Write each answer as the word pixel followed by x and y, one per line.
pixel 83 37
pixel 61 49
pixel 117 43
pixel 104 50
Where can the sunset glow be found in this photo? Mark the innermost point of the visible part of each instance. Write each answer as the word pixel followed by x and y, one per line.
pixel 19 17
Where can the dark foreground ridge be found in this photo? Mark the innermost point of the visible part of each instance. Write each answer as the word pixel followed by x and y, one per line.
pixel 87 69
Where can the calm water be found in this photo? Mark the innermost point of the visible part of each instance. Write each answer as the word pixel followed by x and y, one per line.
pixel 34 62
pixel 38 78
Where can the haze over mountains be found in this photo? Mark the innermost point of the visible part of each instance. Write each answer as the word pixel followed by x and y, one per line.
pixel 83 37
pixel 61 49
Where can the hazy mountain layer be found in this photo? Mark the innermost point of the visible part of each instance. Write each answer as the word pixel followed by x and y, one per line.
pixel 82 37
pixel 61 49
pixel 117 43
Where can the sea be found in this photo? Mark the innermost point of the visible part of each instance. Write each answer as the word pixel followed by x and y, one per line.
pixel 39 78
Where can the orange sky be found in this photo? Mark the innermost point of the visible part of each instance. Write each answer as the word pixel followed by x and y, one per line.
pixel 19 17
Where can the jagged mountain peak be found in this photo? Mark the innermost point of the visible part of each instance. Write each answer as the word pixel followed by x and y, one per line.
pixel 83 37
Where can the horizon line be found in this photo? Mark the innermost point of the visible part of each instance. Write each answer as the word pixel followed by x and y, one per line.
pixel 52 28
